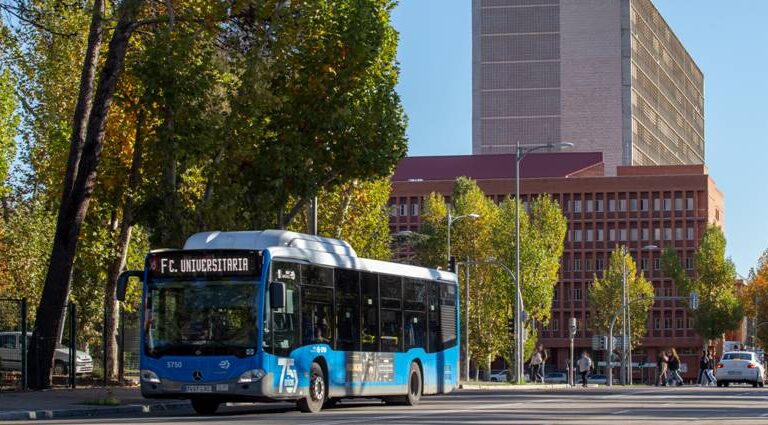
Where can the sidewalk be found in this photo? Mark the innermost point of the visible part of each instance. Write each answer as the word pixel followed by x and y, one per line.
pixel 481 385
pixel 68 403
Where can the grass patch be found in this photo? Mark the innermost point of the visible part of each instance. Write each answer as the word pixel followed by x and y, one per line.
pixel 108 399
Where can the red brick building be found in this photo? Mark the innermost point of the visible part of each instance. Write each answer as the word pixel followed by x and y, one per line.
pixel 641 206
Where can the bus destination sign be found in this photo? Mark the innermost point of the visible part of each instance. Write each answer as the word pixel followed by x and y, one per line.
pixel 203 263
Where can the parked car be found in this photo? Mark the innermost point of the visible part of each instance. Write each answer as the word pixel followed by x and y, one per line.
pixel 556 378
pixel 499 376
pixel 10 356
pixel 598 379
pixel 739 366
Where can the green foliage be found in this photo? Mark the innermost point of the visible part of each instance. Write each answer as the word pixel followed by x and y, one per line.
pixel 9 122
pixel 356 213
pixel 490 239
pixel 714 280
pixel 755 299
pixel 604 296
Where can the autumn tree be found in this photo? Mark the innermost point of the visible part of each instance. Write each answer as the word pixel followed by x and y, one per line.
pixel 714 280
pixel 605 296
pixel 755 299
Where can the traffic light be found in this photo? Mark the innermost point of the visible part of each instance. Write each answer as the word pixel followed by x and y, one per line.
pixel 452 264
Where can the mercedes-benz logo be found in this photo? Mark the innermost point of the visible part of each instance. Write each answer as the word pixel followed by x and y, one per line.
pixel 197 375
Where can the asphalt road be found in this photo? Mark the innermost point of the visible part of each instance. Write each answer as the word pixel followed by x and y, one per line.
pixel 594 406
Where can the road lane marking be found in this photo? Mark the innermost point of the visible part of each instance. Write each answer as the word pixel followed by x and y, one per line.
pixel 621 411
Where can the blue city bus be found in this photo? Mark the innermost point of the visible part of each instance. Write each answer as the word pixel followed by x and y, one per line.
pixel 275 315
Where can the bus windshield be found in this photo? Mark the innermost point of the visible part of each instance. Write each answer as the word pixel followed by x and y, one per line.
pixel 200 317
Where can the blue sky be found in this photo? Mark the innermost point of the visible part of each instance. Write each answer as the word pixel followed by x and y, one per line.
pixel 726 39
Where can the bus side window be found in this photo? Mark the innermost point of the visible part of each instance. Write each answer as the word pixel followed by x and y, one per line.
pixel 448 321
pixel 369 332
pixel 391 291
pixel 433 317
pixel 285 321
pixel 317 305
pixel 415 305
pixel 347 310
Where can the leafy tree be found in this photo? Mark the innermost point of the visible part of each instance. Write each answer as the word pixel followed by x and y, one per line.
pixel 9 122
pixel 356 213
pixel 714 280
pixel 755 299
pixel 604 296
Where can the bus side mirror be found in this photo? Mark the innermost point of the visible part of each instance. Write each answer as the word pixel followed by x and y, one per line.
pixel 277 295
pixel 122 282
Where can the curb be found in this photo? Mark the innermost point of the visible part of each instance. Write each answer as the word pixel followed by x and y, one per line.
pixel 507 387
pixel 91 412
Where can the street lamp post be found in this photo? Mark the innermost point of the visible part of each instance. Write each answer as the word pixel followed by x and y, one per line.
pixel 520 153
pixel 626 372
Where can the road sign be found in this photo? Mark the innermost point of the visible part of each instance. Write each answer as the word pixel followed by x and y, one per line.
pixel 572 326
pixel 599 342
pixel 693 300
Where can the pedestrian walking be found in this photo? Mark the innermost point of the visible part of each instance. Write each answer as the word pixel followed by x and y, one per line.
pixel 662 361
pixel 584 365
pixel 703 365
pixel 711 368
pixel 674 368
pixel 542 367
pixel 535 366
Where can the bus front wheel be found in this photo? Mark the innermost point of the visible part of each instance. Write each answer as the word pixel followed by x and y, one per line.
pixel 313 401
pixel 205 407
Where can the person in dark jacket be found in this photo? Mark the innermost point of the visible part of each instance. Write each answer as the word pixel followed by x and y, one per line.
pixel 674 368
pixel 703 365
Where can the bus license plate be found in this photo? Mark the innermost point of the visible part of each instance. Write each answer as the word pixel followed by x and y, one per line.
pixel 198 389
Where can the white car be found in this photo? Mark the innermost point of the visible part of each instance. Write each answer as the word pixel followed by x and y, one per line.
pixel 499 376
pixel 556 378
pixel 10 356
pixel 739 366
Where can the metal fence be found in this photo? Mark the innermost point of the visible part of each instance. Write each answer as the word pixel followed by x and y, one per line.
pixel 79 360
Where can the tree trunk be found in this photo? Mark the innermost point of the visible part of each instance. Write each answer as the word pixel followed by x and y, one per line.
pixel 74 205
pixel 111 310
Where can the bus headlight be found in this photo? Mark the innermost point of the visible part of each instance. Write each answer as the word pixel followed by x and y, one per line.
pixel 253 375
pixel 149 376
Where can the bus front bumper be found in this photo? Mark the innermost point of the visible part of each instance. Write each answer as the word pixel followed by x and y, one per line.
pixel 227 390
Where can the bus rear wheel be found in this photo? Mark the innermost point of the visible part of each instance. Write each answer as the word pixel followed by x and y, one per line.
pixel 415 389
pixel 205 407
pixel 313 401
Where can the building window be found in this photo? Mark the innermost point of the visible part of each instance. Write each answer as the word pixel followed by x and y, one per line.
pixel 622 204
pixel 689 204
pixel 643 204
pixel 633 234
pixel 611 235
pixel 393 210
pixel 657 204
pixel 657 234
pixel 689 263
pixel 678 204
pixel 667 233
pixel 656 323
pixel 599 206
pixel 403 210
pixel 555 324
pixel 577 264
pixel 611 205
pixel 577 235
pixel 588 204
pixel 657 264
pixel 576 205
pixel 588 264
pixel 622 235
pixel 643 264
pixel 600 235
pixel 577 294
pixel 644 233
pixel 690 233
pixel 633 204
pixel 667 204
pixel 589 233
pixel 690 323
pixel 667 323
pixel 414 210
pixel 599 264
pixel 678 323
pixel 667 292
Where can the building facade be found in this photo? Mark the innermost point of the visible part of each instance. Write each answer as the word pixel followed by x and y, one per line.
pixel 640 207
pixel 609 76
